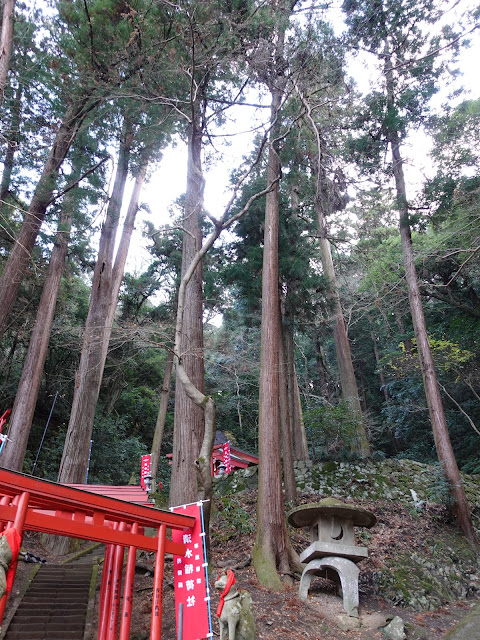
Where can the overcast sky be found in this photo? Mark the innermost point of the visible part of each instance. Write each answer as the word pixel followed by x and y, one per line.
pixel 169 180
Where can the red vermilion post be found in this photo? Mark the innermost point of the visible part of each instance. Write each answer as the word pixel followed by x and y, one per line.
pixel 126 618
pixel 103 631
pixel 103 600
pixel 21 512
pixel 156 624
pixel 116 587
pixel 13 503
pixel 107 598
pixel 21 501
pixel 4 501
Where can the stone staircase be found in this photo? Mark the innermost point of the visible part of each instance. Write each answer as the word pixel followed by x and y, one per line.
pixel 55 605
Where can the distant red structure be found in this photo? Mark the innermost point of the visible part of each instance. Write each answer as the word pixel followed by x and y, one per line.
pixel 117 519
pixel 238 459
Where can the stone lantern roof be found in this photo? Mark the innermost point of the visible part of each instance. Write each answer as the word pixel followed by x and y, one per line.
pixel 307 514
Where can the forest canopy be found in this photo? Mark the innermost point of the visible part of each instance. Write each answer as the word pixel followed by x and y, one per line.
pixel 350 133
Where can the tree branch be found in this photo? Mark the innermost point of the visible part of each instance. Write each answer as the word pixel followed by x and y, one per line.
pixel 472 424
pixel 74 184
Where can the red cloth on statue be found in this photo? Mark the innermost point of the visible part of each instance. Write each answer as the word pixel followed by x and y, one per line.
pixel 230 581
pixel 14 540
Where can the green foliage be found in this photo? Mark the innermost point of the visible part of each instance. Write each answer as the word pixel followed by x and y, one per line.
pixel 231 519
pixel 232 362
pixel 447 356
pixel 439 489
pixel 163 475
pixel 115 452
pixel 332 432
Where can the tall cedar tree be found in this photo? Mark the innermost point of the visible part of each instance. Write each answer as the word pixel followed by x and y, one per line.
pixel 324 83
pixel 272 551
pixel 27 392
pixel 211 42
pixel 21 251
pixel 6 43
pixel 94 70
pixel 189 421
pixel 107 279
pixel 409 58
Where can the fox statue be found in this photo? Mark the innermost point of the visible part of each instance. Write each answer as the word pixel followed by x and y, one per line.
pixel 235 610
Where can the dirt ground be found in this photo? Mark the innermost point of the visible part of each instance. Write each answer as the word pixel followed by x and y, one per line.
pixel 281 615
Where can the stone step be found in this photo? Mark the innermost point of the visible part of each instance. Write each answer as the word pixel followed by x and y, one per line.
pixel 47 626
pixel 42 635
pixel 59 617
pixel 55 605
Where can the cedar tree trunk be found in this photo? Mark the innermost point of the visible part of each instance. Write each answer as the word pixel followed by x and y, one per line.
pixel 6 44
pixel 342 344
pixel 161 417
pixel 29 385
pixel 286 426
pixel 21 252
pixel 271 549
pixel 12 142
pixel 296 415
pixel 103 302
pixel 441 436
pixel 189 421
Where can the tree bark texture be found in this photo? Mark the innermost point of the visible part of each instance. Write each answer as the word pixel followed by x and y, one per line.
pixel 6 44
pixel 298 417
pixel 342 345
pixel 189 421
pixel 30 380
pixel 286 426
pixel 270 553
pixel 161 417
pixel 20 254
pixel 441 436
pixel 12 142
pixel 107 279
pixel 300 442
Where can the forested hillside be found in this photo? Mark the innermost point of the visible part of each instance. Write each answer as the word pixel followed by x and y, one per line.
pixel 343 276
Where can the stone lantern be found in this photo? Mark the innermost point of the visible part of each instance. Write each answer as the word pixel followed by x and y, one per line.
pixel 332 552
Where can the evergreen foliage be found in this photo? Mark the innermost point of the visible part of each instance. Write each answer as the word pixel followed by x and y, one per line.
pixel 133 58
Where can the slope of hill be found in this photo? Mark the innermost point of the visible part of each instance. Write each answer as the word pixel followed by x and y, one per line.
pixel 419 568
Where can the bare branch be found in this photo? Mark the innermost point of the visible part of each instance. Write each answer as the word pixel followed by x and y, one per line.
pixel 472 424
pixel 74 184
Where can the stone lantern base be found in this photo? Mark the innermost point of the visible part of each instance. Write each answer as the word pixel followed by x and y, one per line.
pixel 342 571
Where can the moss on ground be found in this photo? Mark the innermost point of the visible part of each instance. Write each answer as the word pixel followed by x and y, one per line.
pixel 426 581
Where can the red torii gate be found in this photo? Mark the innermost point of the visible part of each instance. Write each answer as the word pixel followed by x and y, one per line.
pixel 27 503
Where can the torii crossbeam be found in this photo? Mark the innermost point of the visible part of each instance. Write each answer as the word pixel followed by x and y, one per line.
pixel 27 503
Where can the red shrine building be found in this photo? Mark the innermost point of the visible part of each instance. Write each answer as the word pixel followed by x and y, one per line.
pixel 238 458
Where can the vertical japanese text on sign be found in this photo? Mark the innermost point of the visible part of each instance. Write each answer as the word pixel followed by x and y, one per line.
pixel 191 577
pixel 145 469
pixel 227 462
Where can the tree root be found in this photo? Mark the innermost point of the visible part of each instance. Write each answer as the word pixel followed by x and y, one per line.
pixel 239 565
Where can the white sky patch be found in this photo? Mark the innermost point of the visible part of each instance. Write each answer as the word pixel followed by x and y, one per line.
pixel 168 181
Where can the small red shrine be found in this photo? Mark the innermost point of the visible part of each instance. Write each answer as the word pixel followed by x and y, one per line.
pixel 239 459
